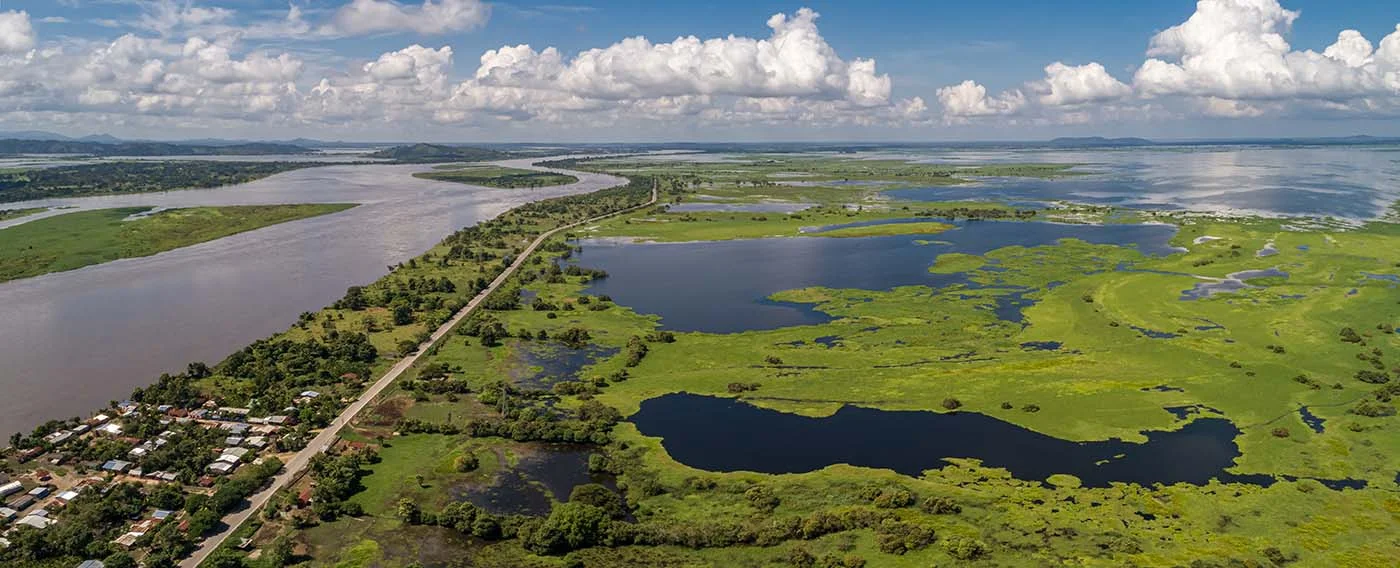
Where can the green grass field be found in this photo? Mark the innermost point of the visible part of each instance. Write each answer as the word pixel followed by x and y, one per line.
pixel 75 240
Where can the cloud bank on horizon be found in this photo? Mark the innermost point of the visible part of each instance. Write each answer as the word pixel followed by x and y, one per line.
pixel 1229 59
pixel 179 63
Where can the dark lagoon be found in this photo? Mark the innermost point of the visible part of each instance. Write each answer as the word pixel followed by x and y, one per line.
pixel 723 286
pixel 724 434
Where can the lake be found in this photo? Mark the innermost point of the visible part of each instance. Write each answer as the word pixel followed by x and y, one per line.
pixel 724 434
pixel 72 341
pixel 722 286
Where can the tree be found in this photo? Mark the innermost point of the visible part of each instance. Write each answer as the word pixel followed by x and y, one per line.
pixel 118 560
pixel 280 552
pixel 600 497
pixel 570 526
pixel 403 315
pixel 197 370
pixel 466 462
pixel 408 512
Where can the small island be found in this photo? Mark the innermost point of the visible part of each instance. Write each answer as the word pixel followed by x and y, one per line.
pixel 75 240
pixel 496 176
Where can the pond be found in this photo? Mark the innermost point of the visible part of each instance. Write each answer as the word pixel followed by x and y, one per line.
pixel 1232 282
pixel 723 286
pixel 555 362
pixel 723 434
pixel 542 477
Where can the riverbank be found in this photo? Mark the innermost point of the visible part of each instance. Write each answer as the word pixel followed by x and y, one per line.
pixel 74 240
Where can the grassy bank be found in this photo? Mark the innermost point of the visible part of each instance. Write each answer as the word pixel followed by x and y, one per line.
pixel 496 176
pixel 7 214
pixel 75 240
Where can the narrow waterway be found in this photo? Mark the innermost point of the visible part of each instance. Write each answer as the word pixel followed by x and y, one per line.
pixel 71 341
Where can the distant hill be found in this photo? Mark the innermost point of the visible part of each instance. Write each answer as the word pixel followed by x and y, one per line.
pixel 32 135
pixel 1098 142
pixel 143 148
pixel 425 153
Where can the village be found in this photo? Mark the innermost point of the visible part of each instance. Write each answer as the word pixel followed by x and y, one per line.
pixel 169 452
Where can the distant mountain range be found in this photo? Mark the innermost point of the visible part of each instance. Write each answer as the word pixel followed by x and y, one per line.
pixel 13 146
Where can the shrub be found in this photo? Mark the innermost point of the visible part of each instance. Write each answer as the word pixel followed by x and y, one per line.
pixel 951 403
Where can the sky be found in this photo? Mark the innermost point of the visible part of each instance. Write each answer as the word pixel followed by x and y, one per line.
pixel 751 70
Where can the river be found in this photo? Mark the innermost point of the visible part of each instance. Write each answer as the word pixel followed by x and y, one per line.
pixel 72 341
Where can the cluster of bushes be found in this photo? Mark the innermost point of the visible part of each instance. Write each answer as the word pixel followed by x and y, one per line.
pixel 636 351
pixel 337 478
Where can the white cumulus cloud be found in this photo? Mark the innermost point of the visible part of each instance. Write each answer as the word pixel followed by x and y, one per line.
pixel 1230 58
pixel 432 17
pixel 16 33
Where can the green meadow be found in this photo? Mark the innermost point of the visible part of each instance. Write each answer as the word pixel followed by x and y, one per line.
pixel 74 240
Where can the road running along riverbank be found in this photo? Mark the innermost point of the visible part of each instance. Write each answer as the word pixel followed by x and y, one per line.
pixel 323 440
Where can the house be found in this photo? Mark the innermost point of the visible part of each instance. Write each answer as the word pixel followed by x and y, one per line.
pixel 167 476
pixel 281 420
pixel 67 496
pixel 164 408
pixel 99 419
pixel 233 441
pixel 240 453
pixel 21 502
pixel 256 442
pixel 234 413
pixel 39 492
pixel 161 514
pixel 127 540
pixel 79 429
pixel 40 513
pixel 235 428
pixel 229 458
pixel 310 394
pixel 8 514
pixel 110 429
pixel 42 475
pixel 138 452
pixel 58 437
pixel 31 453
pixel 304 498
pixel 92 564
pixel 116 466
pixel 221 468
pixel 136 471
pixel 35 521
pixel 10 488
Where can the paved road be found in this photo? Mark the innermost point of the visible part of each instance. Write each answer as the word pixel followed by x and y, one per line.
pixel 327 436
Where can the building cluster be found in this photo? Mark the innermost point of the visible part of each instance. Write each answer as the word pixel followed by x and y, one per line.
pixel 34 497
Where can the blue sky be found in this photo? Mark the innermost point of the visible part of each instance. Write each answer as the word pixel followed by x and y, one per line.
pixel 941 70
